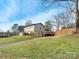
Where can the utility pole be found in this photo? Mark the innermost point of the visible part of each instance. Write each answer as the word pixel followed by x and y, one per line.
pixel 77 14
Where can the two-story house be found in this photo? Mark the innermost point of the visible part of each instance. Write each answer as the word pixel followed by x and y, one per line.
pixel 37 29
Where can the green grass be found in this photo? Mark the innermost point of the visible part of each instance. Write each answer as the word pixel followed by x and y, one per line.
pixel 14 39
pixel 66 47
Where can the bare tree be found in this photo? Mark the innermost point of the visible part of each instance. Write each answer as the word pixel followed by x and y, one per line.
pixel 57 22
pixel 48 25
pixel 28 22
pixel 76 10
pixel 15 28
pixel 64 19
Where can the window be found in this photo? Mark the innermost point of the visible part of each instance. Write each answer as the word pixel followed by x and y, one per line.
pixel 40 27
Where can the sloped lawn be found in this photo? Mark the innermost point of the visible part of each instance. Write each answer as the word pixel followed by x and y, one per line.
pixel 66 47
pixel 14 39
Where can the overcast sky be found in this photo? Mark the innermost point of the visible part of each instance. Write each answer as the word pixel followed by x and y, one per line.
pixel 19 11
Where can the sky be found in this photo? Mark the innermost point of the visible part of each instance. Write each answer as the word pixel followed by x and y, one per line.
pixel 19 11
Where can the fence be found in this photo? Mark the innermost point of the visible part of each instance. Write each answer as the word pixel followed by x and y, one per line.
pixel 66 31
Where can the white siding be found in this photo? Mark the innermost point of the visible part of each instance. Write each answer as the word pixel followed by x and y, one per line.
pixel 39 28
pixel 29 29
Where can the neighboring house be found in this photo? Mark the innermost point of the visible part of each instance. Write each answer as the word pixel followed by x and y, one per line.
pixel 37 29
pixel 3 34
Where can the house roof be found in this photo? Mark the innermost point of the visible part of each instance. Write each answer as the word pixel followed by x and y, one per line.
pixel 34 25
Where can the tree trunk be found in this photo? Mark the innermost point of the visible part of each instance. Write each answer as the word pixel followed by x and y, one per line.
pixel 76 14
